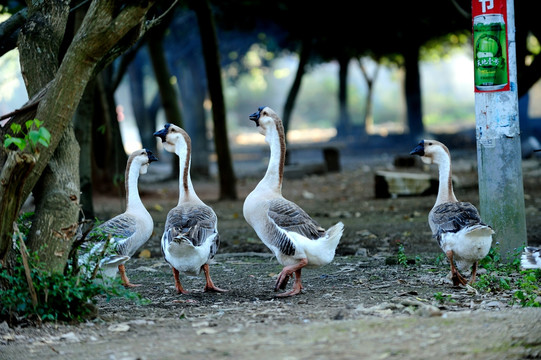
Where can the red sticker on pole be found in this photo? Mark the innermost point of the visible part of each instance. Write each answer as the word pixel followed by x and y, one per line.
pixel 490 45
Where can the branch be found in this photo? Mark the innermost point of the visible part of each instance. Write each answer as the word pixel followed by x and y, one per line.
pixel 9 31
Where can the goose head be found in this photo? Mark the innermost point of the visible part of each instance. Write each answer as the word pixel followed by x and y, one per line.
pixel 266 120
pixel 431 152
pixel 171 136
pixel 142 158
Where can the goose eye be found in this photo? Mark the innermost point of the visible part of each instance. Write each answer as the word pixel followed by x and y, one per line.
pixel 429 143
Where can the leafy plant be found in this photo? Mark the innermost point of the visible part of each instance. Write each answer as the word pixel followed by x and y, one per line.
pixel 528 293
pixel 32 135
pixel 401 257
pixel 31 292
pixel 442 298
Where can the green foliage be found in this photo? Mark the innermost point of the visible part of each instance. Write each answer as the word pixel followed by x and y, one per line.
pixel 529 293
pixel 442 298
pixel 32 135
pixel 68 296
pixel 503 276
pixel 401 257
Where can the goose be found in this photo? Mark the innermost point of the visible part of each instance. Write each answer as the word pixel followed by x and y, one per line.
pixel 456 225
pixel 288 231
pixel 126 232
pixel 190 238
pixel 531 258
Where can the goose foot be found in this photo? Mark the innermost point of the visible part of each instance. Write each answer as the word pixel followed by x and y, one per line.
pixel 456 277
pixel 178 285
pixel 284 276
pixel 473 273
pixel 297 286
pixel 210 285
pixel 125 281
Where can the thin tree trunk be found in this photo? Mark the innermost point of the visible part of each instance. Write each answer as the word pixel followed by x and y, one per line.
pixel 412 85
pixel 137 93
pixel 193 92
pixel 343 128
pixel 211 54
pixel 368 112
pixel 304 56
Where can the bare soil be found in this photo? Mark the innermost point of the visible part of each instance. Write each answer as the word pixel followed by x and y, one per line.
pixel 362 305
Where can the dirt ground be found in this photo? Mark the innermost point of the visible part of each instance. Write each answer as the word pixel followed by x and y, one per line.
pixel 364 305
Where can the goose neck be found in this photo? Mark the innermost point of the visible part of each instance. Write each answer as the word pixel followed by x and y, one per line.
pixel 445 187
pixel 275 171
pixel 186 190
pixel 133 201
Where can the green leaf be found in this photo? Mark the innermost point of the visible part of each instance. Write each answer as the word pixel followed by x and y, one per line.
pixel 29 124
pixel 33 136
pixel 16 128
pixel 38 123
pixel 21 144
pixel 45 135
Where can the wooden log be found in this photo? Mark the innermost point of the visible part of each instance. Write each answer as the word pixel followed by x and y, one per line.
pixel 392 184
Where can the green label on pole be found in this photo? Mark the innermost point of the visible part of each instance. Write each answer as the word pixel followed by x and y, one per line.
pixel 490 52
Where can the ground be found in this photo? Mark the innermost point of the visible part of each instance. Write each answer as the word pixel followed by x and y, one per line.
pixel 363 305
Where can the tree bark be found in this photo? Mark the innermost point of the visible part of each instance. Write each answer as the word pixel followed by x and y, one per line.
pixel 13 174
pixel 211 54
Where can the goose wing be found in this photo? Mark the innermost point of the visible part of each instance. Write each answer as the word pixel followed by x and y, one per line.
pixel 194 222
pixel 120 228
pixel 453 217
pixel 286 216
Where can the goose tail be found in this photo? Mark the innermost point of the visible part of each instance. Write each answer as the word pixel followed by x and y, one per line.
pixel 334 234
pixel 531 258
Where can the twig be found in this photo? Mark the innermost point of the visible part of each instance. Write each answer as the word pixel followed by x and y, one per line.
pixel 22 248
pixel 95 271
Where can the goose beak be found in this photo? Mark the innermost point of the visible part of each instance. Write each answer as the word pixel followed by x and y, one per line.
pixel 419 149
pixel 162 133
pixel 255 116
pixel 151 156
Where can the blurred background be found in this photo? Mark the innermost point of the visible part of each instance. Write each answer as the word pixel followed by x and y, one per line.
pixel 353 77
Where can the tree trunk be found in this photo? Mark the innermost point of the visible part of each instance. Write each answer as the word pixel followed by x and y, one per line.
pixel 82 122
pixel 412 85
pixel 168 92
pixel 368 112
pixel 343 129
pixel 14 173
pixel 145 126
pixel 104 26
pixel 193 92
pixel 304 55
pixel 211 54
pixel 57 195
pixel 57 205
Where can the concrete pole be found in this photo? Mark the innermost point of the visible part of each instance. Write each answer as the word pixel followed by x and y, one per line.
pixel 501 192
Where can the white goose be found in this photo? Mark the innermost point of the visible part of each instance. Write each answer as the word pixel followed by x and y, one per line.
pixel 288 231
pixel 190 239
pixel 128 231
pixel 456 225
pixel 531 258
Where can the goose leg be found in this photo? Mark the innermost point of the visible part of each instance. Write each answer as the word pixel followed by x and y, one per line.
pixel 178 285
pixel 457 278
pixel 284 275
pixel 125 281
pixel 210 285
pixel 473 272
